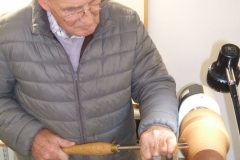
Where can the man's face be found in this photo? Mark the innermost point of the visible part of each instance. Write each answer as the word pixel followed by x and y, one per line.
pixel 76 17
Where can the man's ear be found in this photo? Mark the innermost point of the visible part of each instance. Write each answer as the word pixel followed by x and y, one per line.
pixel 44 5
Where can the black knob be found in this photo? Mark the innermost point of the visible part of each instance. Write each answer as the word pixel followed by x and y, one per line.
pixel 227 59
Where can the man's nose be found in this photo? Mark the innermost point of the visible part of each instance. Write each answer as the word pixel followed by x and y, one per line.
pixel 88 18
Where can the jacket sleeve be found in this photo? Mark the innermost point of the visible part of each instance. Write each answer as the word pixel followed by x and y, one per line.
pixel 17 128
pixel 152 87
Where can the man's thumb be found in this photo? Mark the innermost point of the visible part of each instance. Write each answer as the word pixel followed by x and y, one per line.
pixel 65 143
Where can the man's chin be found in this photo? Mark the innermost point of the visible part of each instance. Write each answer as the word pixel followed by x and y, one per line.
pixel 84 32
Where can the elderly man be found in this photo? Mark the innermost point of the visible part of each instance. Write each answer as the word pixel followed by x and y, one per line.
pixel 69 70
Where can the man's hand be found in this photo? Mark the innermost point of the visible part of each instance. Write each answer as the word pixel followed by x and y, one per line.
pixel 157 141
pixel 47 145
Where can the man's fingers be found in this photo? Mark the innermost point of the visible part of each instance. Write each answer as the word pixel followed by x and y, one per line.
pixel 65 143
pixel 147 151
pixel 62 155
pixel 171 147
pixel 146 154
pixel 158 141
pixel 171 144
pixel 163 148
pixel 47 145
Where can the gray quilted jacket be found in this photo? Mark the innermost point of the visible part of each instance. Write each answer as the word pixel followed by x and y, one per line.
pixel 39 89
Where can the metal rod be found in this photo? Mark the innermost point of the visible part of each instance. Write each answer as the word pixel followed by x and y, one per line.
pixel 137 147
pixel 234 94
pixel 128 147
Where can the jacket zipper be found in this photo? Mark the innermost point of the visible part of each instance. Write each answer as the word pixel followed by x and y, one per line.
pixel 79 106
pixel 77 90
pixel 75 78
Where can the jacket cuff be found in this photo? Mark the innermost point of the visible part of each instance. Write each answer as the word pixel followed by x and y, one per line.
pixel 147 122
pixel 26 137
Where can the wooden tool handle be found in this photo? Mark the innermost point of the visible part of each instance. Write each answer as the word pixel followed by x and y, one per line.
pixel 91 149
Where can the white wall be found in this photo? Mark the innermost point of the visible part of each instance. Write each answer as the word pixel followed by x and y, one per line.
pixel 10 5
pixel 189 35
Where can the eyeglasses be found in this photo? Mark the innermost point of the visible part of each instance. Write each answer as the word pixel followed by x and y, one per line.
pixel 77 14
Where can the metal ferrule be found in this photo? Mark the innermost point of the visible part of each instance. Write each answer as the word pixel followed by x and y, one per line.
pixel 114 148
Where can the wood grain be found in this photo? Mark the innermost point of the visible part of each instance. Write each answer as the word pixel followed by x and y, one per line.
pixel 90 149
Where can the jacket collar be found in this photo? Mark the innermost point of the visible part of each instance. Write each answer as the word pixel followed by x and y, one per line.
pixel 105 23
pixel 40 23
